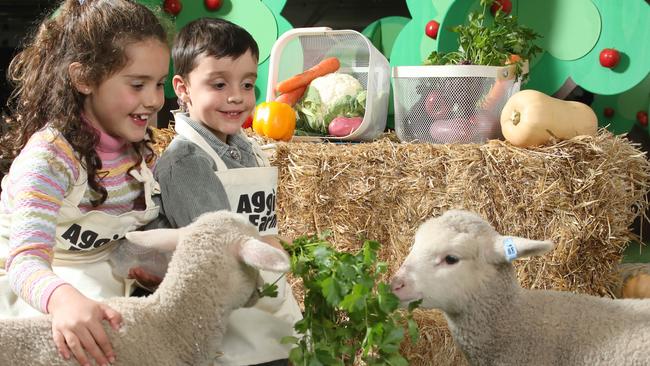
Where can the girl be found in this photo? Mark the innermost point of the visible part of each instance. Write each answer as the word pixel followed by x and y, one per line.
pixel 86 87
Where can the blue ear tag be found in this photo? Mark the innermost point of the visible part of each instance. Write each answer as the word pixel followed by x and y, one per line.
pixel 510 249
pixel 81 2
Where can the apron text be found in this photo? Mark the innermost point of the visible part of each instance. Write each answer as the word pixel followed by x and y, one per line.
pixel 84 239
pixel 260 209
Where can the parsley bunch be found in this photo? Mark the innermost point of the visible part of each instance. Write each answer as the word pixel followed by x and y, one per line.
pixel 349 316
pixel 489 44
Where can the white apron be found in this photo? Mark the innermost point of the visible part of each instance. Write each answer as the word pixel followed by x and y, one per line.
pixel 84 242
pixel 253 334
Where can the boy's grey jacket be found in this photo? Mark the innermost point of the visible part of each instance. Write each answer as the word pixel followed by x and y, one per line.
pixel 188 188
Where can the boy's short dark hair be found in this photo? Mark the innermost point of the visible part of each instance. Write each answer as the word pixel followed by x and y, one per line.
pixel 211 36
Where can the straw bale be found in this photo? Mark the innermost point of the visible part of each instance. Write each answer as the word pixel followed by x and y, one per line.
pixel 161 138
pixel 582 194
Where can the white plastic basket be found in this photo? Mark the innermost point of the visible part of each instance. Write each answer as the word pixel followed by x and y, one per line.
pixel 451 104
pixel 301 48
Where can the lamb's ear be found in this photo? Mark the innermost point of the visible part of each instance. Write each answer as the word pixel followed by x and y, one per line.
pixel 509 248
pixel 164 240
pixel 261 255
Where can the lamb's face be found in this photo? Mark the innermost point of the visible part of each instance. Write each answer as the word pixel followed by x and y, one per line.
pixel 248 254
pixel 446 263
pixel 455 257
pixel 248 280
pixel 221 248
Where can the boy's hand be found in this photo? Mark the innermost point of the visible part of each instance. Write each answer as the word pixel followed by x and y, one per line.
pixel 77 326
pixel 144 278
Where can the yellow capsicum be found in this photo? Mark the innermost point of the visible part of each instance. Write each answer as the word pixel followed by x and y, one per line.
pixel 275 120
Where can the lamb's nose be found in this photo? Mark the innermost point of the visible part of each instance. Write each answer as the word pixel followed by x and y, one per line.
pixel 396 284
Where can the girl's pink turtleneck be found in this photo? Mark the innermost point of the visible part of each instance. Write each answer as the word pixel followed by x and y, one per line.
pixel 109 147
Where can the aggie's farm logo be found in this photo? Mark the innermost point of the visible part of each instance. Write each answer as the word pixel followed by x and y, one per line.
pixel 260 209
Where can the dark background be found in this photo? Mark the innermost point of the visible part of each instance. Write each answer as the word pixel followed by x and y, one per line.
pixel 19 17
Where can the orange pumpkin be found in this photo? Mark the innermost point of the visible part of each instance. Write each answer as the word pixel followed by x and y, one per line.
pixel 637 287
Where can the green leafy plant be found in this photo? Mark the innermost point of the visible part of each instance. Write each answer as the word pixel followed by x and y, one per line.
pixel 349 315
pixel 492 44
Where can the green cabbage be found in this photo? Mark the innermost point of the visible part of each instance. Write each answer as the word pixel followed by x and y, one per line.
pixel 313 115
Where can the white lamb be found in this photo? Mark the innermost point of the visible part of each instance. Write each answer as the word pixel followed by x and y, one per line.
pixel 461 265
pixel 212 272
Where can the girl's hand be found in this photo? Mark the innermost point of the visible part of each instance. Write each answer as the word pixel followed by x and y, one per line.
pixel 144 278
pixel 77 326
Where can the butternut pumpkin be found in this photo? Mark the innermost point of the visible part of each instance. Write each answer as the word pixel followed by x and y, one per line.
pixel 531 118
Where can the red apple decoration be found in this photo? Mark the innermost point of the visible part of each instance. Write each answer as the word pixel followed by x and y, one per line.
pixel 172 7
pixel 431 29
pixel 213 5
pixel 608 112
pixel 609 57
pixel 504 5
pixel 642 117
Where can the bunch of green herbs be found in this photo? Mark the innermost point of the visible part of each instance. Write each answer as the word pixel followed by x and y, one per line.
pixel 349 316
pixel 492 44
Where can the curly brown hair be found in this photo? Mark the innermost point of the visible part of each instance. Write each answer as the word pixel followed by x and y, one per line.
pixel 95 34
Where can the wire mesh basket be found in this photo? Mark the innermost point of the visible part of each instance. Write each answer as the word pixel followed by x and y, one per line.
pixel 301 48
pixel 451 104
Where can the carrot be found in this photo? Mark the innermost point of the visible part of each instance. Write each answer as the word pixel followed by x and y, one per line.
pixel 324 67
pixel 495 95
pixel 498 90
pixel 292 96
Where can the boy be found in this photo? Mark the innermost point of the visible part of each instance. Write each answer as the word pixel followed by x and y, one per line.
pixel 211 165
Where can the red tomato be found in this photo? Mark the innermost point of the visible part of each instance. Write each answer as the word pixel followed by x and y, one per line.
pixel 431 29
pixel 504 5
pixel 608 112
pixel 609 57
pixel 172 7
pixel 213 5
pixel 642 117
pixel 248 122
